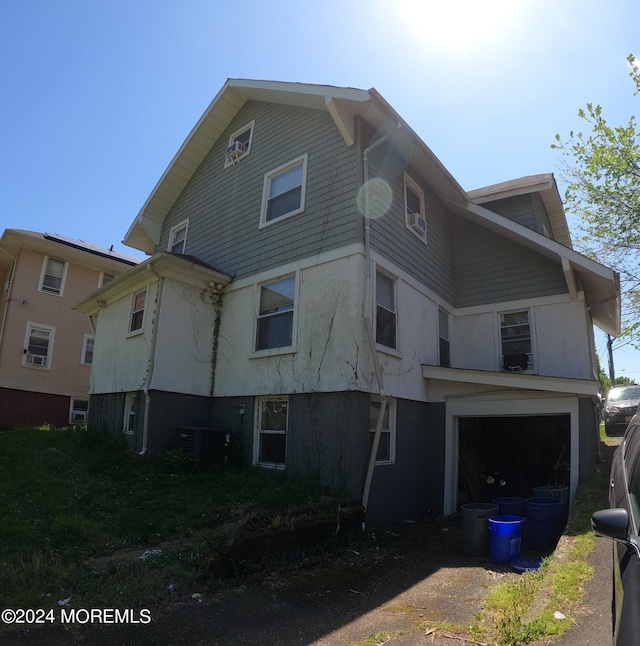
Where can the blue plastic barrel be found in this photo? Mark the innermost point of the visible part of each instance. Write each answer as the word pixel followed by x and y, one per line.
pixel 544 522
pixel 555 491
pixel 511 506
pixel 506 538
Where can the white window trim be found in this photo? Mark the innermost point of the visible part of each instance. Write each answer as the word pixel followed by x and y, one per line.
pixel 258 431
pixel 130 398
pixel 38 326
pixel 101 281
pixel 85 340
pixel 250 126
pixel 63 279
pixel 72 408
pixel 391 405
pixel 415 187
pixel 267 184
pixel 140 330
pixel 287 349
pixel 175 229
pixel 380 346
pixel 531 369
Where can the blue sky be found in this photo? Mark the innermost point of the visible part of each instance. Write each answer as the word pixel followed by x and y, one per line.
pixel 98 95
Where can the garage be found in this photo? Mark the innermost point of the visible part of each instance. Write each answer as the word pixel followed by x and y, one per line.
pixel 510 455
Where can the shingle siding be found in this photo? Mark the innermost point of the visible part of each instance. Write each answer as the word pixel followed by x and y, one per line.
pixel 490 268
pixel 223 204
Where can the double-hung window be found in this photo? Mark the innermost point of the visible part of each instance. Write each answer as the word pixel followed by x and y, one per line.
pixel 284 191
pixel 239 145
pixel 386 453
pixel 178 238
pixel 385 310
pixel 38 345
pixel 105 279
pixel 515 339
pixel 444 353
pixel 275 314
pixel 130 411
pixel 270 444
pixel 415 217
pixel 137 311
pixel 52 276
pixel 87 350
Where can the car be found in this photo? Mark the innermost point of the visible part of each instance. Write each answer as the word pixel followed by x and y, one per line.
pixel 622 523
pixel 620 406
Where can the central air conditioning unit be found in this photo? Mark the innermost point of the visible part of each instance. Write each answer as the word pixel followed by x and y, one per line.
pixel 418 222
pixel 207 445
pixel 234 151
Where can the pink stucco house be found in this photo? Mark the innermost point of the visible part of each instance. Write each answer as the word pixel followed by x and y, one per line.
pixel 46 348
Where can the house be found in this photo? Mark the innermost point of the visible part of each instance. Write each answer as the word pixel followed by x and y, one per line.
pixel 46 348
pixel 322 291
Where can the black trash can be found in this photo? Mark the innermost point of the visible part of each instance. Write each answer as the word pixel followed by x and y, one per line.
pixel 475 527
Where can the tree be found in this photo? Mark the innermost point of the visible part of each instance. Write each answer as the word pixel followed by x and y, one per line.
pixel 602 171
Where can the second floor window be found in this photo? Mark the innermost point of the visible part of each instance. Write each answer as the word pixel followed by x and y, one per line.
pixel 52 277
pixel 515 339
pixel 137 311
pixel 275 314
pixel 87 350
pixel 385 310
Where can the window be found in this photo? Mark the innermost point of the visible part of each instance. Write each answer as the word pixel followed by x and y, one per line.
pixel 444 357
pixel 105 279
pixel 87 350
pixel 38 345
pixel 414 208
pixel 79 411
pixel 284 191
pixel 515 337
pixel 386 453
pixel 385 310
pixel 275 314
pixel 137 311
pixel 130 405
pixel 178 238
pixel 239 145
pixel 52 277
pixel 270 445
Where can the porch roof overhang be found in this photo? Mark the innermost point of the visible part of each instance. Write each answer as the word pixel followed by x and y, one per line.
pixel 185 269
pixel 514 381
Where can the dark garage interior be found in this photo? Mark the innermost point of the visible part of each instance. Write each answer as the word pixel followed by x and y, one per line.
pixel 509 456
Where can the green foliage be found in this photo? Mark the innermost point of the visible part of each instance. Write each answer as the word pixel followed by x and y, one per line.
pixel 602 170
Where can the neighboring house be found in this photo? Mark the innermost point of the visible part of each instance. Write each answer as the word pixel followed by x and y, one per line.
pixel 46 348
pixel 319 284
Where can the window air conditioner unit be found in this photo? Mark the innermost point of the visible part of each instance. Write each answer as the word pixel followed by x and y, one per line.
pixel 79 416
pixel 36 360
pixel 236 149
pixel 417 222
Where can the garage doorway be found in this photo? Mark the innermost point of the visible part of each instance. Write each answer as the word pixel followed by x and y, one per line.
pixel 509 456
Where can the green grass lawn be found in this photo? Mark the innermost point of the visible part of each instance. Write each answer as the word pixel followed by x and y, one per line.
pixel 68 496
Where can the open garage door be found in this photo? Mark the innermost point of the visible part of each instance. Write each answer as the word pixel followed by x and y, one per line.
pixel 509 456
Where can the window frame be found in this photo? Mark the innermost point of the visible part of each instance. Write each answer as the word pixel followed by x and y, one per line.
pixel 42 327
pixel 73 409
pixel 184 225
pixel 380 344
pixel 259 431
pixel 130 412
pixel 302 160
pixel 411 185
pixel 443 314
pixel 259 316
pixel 236 137
pixel 531 353
pixel 138 330
pixel 391 430
pixel 44 274
pixel 87 339
pixel 103 275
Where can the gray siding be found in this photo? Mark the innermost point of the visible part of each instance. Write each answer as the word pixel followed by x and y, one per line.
pixel 430 263
pixel 223 204
pixel 527 210
pixel 490 269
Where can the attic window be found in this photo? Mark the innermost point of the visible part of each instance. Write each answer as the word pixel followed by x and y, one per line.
pixel 178 238
pixel 239 145
pixel 415 217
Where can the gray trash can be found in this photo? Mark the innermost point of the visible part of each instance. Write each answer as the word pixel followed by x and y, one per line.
pixel 475 527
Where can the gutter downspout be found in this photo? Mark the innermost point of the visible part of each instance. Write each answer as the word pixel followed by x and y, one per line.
pixel 367 319
pixel 8 296
pixel 152 360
